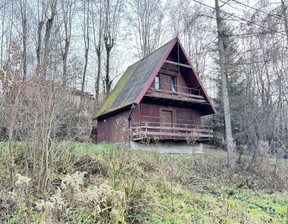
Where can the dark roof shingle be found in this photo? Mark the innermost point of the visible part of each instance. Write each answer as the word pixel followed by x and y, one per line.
pixel 134 80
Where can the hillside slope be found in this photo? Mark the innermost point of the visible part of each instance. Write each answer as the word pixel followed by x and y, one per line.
pixel 113 184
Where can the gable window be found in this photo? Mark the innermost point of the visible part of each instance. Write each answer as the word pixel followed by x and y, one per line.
pixel 173 84
pixel 157 82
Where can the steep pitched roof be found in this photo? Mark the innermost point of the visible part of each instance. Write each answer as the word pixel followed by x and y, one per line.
pixel 134 83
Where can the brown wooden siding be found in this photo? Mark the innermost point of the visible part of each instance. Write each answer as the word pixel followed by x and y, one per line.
pixel 161 122
pixel 188 116
pixel 148 112
pixel 166 73
pixel 113 128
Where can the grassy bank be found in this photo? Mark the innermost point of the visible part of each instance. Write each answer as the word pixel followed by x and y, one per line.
pixel 111 184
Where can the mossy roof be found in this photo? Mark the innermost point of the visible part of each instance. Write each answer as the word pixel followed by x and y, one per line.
pixel 132 83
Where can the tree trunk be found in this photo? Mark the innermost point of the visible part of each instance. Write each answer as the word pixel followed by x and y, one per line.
pixel 107 79
pixel 67 15
pixel 2 36
pixel 23 11
pixel 64 59
pixel 85 68
pixel 285 18
pixel 87 42
pixel 24 46
pixel 98 45
pixel 47 43
pixel 97 84
pixel 227 115
pixel 38 48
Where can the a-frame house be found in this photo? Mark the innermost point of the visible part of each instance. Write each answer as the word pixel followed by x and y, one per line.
pixel 158 98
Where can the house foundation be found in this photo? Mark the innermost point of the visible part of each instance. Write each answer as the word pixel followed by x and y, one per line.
pixel 169 147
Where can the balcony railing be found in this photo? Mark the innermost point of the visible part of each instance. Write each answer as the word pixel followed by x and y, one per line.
pixel 170 131
pixel 175 92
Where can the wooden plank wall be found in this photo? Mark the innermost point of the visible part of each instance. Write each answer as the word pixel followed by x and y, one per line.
pixel 148 112
pixel 166 72
pixel 109 128
pixel 188 116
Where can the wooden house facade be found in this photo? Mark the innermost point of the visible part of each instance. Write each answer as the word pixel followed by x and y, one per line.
pixel 158 98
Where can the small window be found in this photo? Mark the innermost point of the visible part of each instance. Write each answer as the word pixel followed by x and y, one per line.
pixel 157 84
pixel 173 84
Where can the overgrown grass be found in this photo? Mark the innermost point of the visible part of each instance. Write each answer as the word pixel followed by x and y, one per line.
pixel 157 189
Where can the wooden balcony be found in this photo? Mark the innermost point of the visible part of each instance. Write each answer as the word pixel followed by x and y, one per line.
pixel 175 92
pixel 170 131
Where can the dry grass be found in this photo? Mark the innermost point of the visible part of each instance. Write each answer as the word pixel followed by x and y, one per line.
pixel 149 188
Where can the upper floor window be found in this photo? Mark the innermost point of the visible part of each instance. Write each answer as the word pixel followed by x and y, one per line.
pixel 173 84
pixel 157 82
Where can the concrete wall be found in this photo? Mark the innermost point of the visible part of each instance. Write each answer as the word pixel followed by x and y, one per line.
pixel 169 147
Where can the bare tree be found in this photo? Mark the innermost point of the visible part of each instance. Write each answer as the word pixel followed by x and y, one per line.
pixel 67 8
pixel 146 19
pixel 190 23
pixel 48 30
pixel 98 26
pixel 112 14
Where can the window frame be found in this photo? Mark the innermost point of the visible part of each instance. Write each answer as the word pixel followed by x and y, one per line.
pixel 173 84
pixel 157 82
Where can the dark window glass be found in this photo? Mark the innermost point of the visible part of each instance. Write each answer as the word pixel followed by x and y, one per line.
pixel 173 84
pixel 157 84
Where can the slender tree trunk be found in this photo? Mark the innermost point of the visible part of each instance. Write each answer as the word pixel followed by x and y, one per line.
pixel 280 89
pixel 228 128
pixel 97 84
pixel 47 46
pixel 98 45
pixel 38 48
pixel 10 39
pixel 87 43
pixel 47 43
pixel 39 39
pixel 2 35
pixel 85 67
pixel 107 79
pixel 24 47
pixel 67 14
pixel 64 59
pixel 285 18
pixel 23 11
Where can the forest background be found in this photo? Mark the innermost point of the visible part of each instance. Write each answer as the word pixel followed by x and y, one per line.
pixel 60 58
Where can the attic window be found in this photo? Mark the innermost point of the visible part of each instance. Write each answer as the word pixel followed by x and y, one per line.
pixel 173 84
pixel 157 80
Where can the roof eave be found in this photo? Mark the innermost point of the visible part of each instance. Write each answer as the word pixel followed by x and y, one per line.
pixel 112 111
